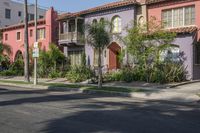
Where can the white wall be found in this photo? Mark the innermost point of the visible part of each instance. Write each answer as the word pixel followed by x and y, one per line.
pixel 15 8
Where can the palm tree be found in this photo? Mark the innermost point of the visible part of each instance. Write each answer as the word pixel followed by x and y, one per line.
pixel 99 38
pixel 26 45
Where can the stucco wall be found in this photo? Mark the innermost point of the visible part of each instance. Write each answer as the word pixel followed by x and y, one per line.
pixel 15 8
pixel 185 43
pixel 156 10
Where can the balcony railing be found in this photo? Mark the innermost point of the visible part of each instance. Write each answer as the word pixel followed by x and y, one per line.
pixel 72 37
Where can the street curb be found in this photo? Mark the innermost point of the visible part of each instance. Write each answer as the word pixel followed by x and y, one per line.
pixel 65 89
pixel 106 93
pixel 183 83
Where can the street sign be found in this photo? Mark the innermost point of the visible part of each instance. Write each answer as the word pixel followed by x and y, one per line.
pixel 35 52
pixel 35 45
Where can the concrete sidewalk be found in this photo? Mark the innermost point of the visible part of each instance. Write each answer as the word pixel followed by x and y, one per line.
pixel 184 93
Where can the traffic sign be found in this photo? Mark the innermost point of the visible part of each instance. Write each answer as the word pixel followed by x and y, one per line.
pixel 35 52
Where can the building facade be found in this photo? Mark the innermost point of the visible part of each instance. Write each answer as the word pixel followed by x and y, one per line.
pixel 47 32
pixel 122 14
pixel 182 17
pixel 12 12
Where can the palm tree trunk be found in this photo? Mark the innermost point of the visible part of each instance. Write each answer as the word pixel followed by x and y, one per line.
pixel 100 70
pixel 26 45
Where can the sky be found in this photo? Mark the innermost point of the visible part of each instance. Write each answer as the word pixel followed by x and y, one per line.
pixel 70 5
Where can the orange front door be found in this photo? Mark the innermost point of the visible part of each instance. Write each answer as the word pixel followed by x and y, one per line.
pixel 114 50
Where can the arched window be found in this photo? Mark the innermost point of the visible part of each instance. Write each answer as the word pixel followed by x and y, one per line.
pixel 116 24
pixel 102 20
pixel 94 21
pixel 172 53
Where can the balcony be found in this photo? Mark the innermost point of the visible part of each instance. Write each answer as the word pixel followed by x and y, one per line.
pixel 71 32
pixel 72 37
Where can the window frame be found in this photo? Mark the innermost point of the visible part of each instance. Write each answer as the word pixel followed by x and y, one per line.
pixel 19 13
pixel 18 39
pixel 6 37
pixel 31 32
pixel 7 13
pixel 39 32
pixel 116 29
pixel 183 16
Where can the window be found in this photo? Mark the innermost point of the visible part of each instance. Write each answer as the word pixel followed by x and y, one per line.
pixel 94 21
pixel 18 36
pixel 75 57
pixel 31 17
pixel 116 24
pixel 31 33
pixel 102 20
pixel 189 15
pixel 19 13
pixel 7 13
pixel 178 17
pixel 40 17
pixel 167 18
pixel 41 33
pixel 197 53
pixel 6 37
pixel 172 54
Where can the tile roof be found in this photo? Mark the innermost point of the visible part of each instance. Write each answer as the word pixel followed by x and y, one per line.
pixel 154 1
pixel 159 1
pixel 21 25
pixel 99 8
pixel 189 29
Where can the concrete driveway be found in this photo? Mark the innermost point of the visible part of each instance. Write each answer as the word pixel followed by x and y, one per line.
pixel 41 111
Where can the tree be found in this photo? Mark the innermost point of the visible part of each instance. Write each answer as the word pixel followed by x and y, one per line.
pixel 26 45
pixel 146 44
pixel 99 38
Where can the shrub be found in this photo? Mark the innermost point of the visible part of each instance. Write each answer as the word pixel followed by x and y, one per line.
pixel 79 73
pixel 52 63
pixel 8 73
pixel 55 74
pixel 126 74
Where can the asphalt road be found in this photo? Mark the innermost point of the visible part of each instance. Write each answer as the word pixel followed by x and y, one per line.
pixel 40 111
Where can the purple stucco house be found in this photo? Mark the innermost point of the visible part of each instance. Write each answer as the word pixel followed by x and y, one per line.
pixel 122 14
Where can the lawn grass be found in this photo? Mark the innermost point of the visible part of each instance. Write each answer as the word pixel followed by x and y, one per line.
pixel 15 82
pixel 114 89
pixel 43 84
pixel 82 87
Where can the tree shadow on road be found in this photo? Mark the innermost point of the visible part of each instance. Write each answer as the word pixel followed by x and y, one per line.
pixel 113 117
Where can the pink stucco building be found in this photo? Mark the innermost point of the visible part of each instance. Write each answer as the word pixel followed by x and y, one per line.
pixel 47 33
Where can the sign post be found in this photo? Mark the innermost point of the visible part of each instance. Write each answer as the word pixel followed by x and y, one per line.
pixel 35 56
pixel 36 49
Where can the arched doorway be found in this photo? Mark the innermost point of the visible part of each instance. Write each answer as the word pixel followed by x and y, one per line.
pixel 18 55
pixel 114 51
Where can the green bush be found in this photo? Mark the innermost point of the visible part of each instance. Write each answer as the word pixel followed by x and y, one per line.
pixel 164 72
pixel 8 73
pixel 14 69
pixel 125 74
pixel 52 63
pixel 18 67
pixel 55 74
pixel 79 73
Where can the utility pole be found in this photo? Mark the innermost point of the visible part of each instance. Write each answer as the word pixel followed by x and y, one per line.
pixel 26 45
pixel 36 46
